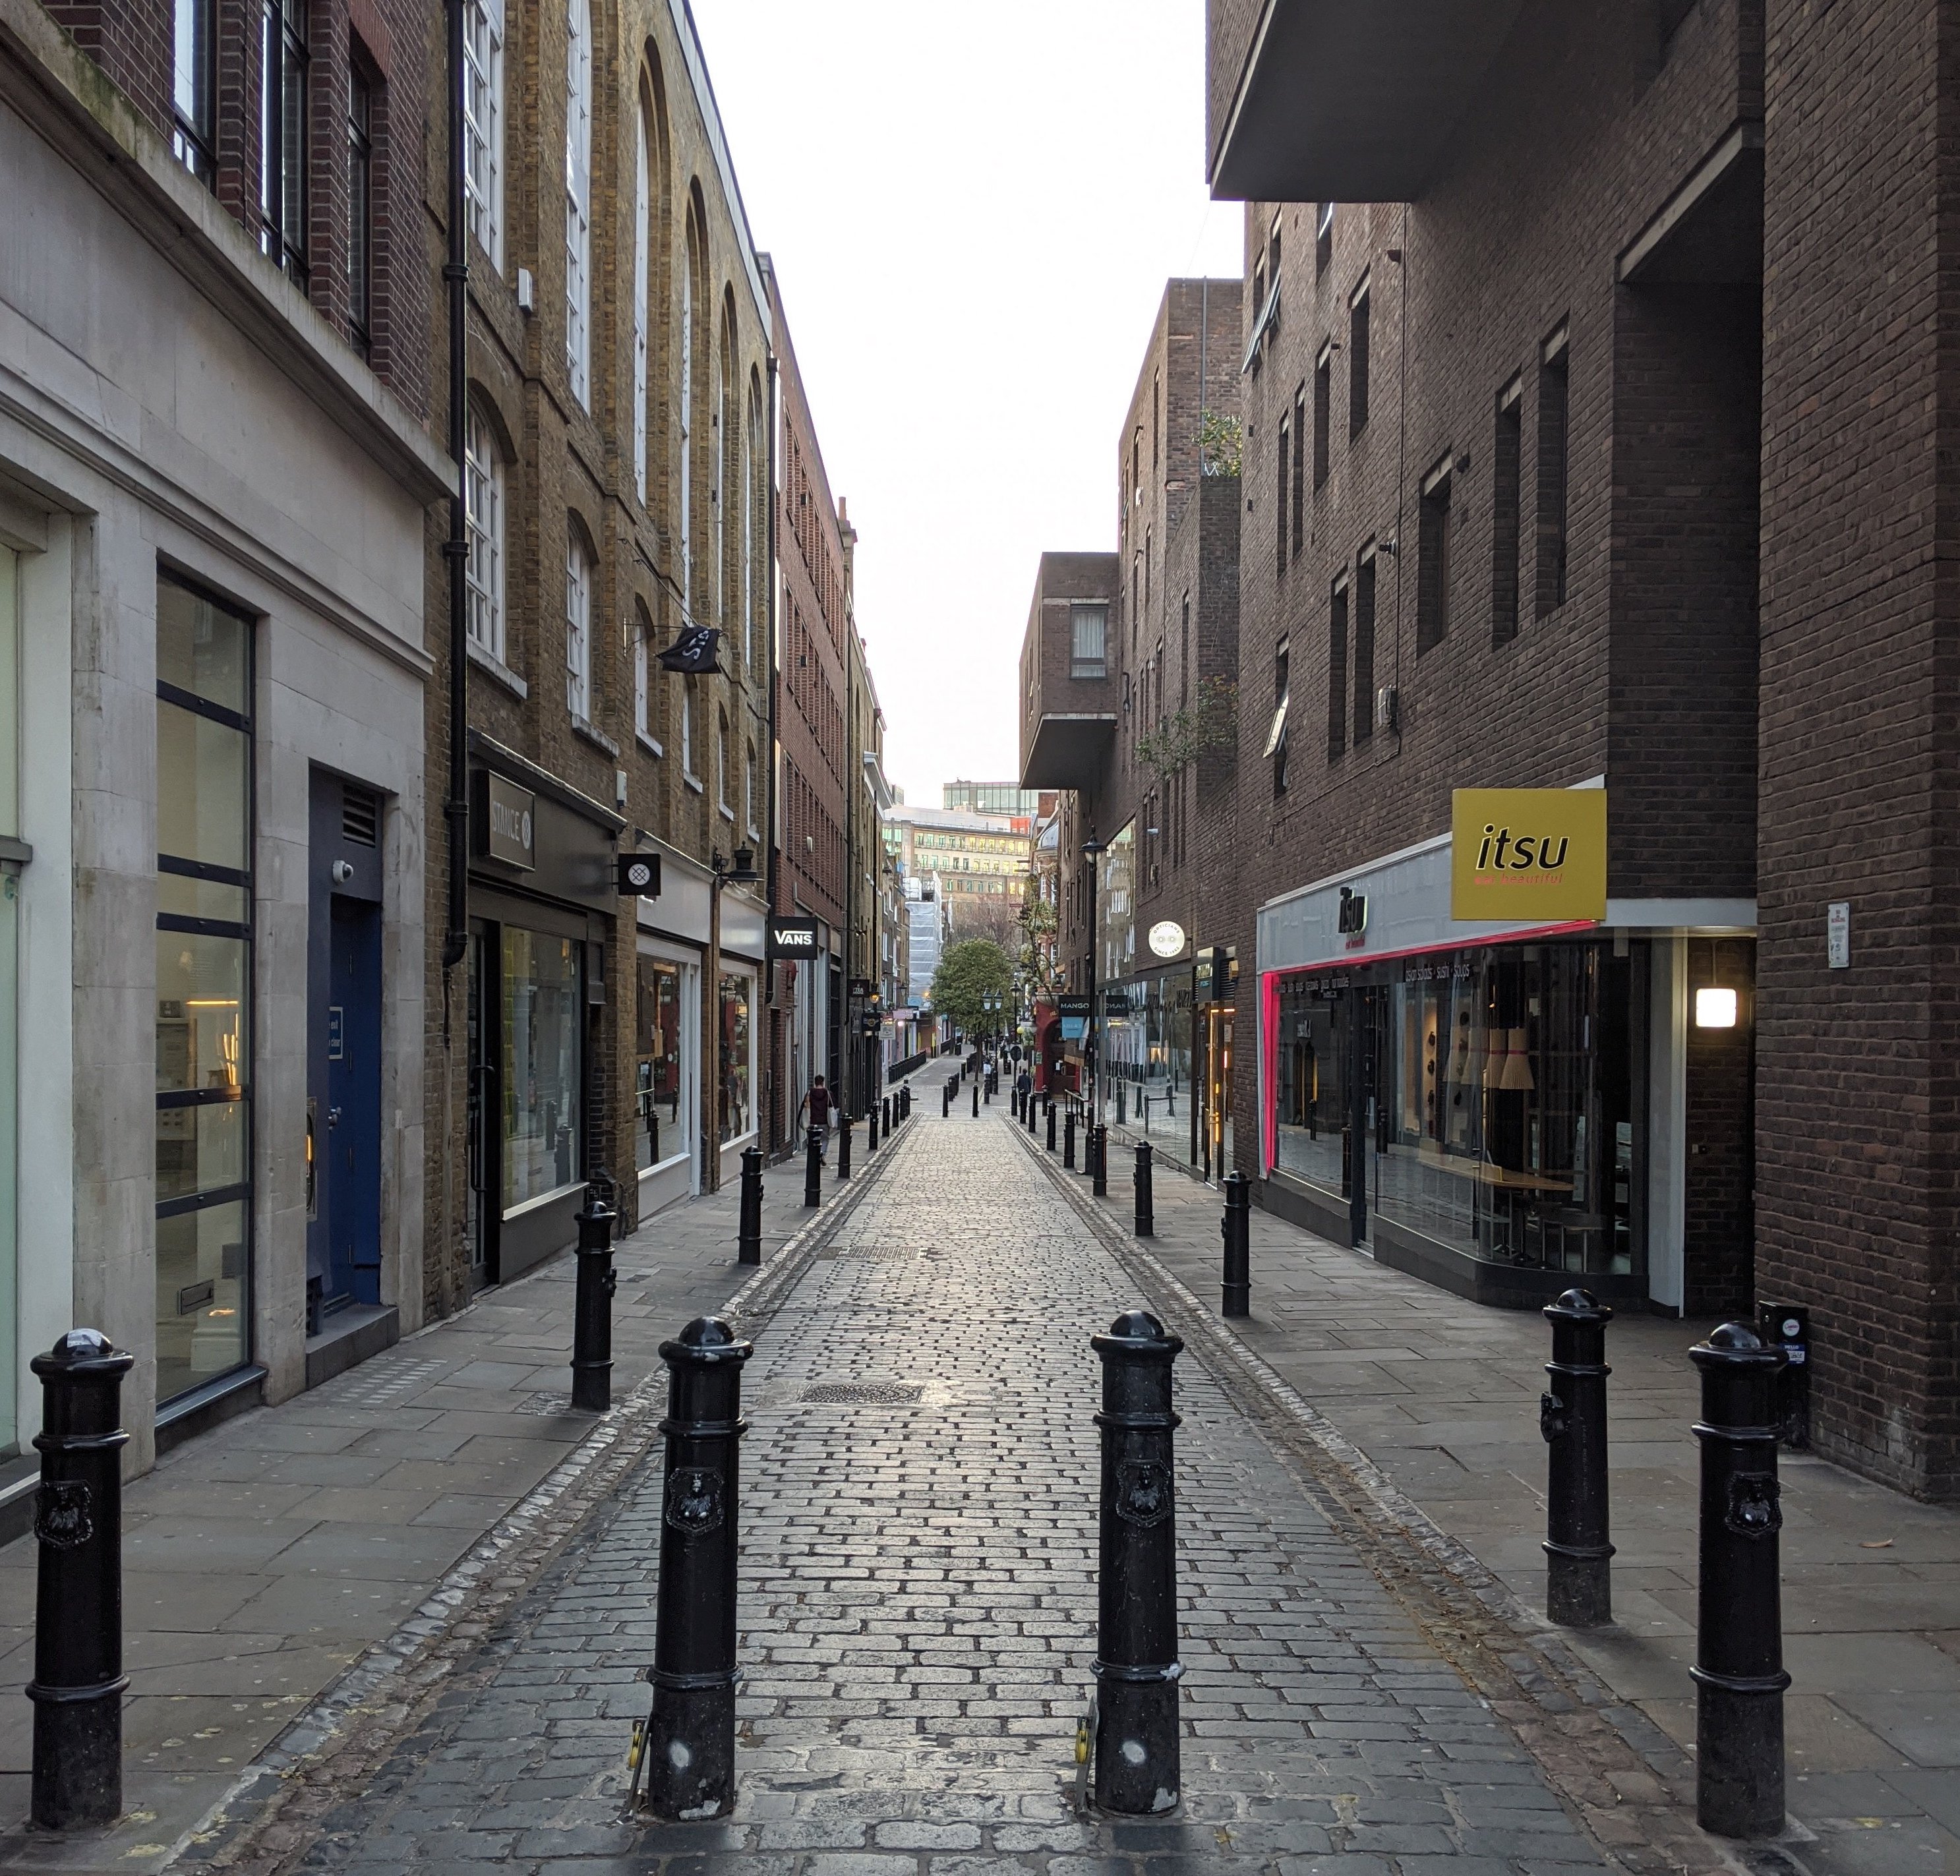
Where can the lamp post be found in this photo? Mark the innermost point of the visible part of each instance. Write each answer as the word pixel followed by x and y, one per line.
pixel 720 872
pixel 1093 850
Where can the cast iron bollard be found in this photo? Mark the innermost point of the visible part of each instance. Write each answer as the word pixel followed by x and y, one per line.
pixel 1033 1116
pixel 976 1101
pixel 1137 1669
pixel 813 1167
pixel 1068 1142
pixel 887 1116
pixel 592 1310
pixel 749 1232
pixel 987 1086
pixel 1146 1216
pixel 1572 1417
pixel 1738 1672
pixel 689 1747
pixel 1098 1160
pixel 1051 1127
pixel 871 1126
pixel 946 1101
pixel 843 1145
pixel 1236 1227
pixel 78 1679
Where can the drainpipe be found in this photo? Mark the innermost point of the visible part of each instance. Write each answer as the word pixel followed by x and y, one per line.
pixel 456 550
pixel 769 865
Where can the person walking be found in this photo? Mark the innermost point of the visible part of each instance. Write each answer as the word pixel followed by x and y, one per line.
pixel 817 1103
pixel 1023 1086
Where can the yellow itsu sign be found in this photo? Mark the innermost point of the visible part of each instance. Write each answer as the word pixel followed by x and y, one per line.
pixel 1528 853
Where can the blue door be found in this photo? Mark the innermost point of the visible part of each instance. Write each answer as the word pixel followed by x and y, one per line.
pixel 350 1199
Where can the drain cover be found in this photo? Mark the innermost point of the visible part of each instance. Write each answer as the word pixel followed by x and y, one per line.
pixel 884 1253
pixel 869 1393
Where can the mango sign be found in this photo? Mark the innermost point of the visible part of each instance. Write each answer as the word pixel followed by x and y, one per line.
pixel 1528 855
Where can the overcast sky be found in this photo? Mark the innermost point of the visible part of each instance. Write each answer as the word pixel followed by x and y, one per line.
pixel 973 212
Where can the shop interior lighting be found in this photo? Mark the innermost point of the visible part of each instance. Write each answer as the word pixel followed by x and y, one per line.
pixel 1715 1008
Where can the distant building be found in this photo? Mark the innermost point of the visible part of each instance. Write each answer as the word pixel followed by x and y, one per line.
pixel 997 798
pixel 980 863
pixel 925 914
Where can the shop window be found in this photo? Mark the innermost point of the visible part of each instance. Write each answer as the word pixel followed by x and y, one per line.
pixel 738 1116
pixel 659 1134
pixel 203 994
pixel 1554 423
pixel 543 1011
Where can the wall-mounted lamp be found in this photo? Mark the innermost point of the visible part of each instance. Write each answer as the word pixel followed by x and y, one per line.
pixel 1715 1008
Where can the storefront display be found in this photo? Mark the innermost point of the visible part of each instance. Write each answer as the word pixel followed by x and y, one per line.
pixel 660 1133
pixel 738 1116
pixel 1147 1041
pixel 542 1019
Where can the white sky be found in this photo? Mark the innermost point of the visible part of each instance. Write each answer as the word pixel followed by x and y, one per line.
pixel 973 212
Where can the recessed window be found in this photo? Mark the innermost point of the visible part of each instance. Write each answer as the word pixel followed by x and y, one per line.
pixel 643 677
pixel 643 211
pixel 1299 471
pixel 360 211
pixel 1434 550
pixel 1323 404
pixel 194 89
pixel 577 629
pixel 1337 669
pixel 483 464
pixel 282 134
pixel 1357 363
pixel 578 199
pixel 1507 468
pixel 483 124
pixel 1089 635
pixel 1364 650
pixel 1276 737
pixel 1283 460
pixel 1554 425
pixel 1323 238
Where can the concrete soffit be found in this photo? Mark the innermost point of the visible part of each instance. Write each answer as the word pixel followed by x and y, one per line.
pixel 65 97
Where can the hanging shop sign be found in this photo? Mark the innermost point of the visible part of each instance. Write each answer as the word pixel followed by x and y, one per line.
pixel 1073 1012
pixel 639 875
pixel 1167 938
pixel 1528 853
pixel 792 938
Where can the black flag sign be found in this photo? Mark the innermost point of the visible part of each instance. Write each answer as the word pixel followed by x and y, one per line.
pixel 694 651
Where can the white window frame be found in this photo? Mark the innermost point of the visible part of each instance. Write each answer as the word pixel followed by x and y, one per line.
pixel 749 455
pixel 643 679
pixel 484 508
pixel 687 733
pixel 483 124
pixel 578 199
pixel 643 211
pixel 686 412
pixel 724 389
pixel 724 740
pixel 577 628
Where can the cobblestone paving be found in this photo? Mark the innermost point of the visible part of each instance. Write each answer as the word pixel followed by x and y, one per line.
pixel 917 1605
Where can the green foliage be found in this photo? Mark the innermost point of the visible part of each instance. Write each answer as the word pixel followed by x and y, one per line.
pixel 970 972
pixel 1210 721
pixel 1221 444
pixel 1039 966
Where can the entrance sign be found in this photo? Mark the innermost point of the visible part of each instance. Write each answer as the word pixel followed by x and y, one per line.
pixel 1528 853
pixel 792 938
pixel 509 823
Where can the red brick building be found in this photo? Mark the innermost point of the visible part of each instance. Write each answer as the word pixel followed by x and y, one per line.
pixel 1574 457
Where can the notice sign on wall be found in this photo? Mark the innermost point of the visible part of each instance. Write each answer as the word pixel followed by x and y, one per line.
pixel 1535 855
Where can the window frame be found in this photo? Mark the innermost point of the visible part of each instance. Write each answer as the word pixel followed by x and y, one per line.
pixel 1080 611
pixel 578 199
pixel 194 88
pixel 578 582
pixel 285 50
pixel 483 124
pixel 490 479
pixel 361 125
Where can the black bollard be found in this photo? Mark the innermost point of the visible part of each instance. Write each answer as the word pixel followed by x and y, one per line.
pixel 976 1101
pixel 749 1231
pixel 871 1126
pixel 843 1147
pixel 1051 1127
pixel 689 1747
pixel 1738 1672
pixel 812 1167
pixel 1137 1669
pixel 1236 1228
pixel 1572 1415
pixel 946 1101
pixel 1068 1143
pixel 1033 1113
pixel 77 1689
pixel 887 1116
pixel 905 1101
pixel 1098 1160
pixel 1146 1216
pixel 592 1313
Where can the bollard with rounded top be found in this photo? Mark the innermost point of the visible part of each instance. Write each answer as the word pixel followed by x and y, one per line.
pixel 748 1231
pixel 78 1682
pixel 1137 1669
pixel 592 1308
pixel 1146 1216
pixel 843 1145
pixel 1738 1672
pixel 946 1101
pixel 690 1744
pixel 1051 1127
pixel 1236 1228
pixel 871 1126
pixel 1099 1161
pixel 1033 1113
pixel 976 1101
pixel 1572 1417
pixel 813 1167
pixel 887 1116
pixel 1068 1142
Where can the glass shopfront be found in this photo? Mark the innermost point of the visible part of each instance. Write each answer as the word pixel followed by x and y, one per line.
pixel 1146 1042
pixel 203 994
pixel 542 1024
pixel 738 1114
pixel 660 1135
pixel 1494 1094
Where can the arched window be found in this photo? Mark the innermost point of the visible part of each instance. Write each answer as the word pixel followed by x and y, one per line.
pixel 752 462
pixel 724 452
pixel 749 792
pixel 643 211
pixel 483 463
pixel 643 674
pixel 691 261
pixel 721 762
pixel 578 199
pixel 687 731
pixel 578 627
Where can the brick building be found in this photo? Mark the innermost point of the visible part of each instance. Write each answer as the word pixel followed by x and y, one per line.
pixel 214 473
pixel 1129 681
pixel 617 449
pixel 1573 459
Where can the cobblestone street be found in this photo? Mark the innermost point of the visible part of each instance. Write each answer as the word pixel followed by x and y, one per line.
pixel 918 1608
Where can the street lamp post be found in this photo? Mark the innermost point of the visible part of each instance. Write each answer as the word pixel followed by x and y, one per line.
pixel 1092 849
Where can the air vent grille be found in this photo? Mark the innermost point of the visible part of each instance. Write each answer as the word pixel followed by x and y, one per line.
pixel 360 816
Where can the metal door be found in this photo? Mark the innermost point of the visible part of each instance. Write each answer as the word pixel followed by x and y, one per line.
pixel 350 1154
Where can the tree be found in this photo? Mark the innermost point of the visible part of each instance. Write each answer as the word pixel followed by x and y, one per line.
pixel 969 973
pixel 1210 721
pixel 1040 960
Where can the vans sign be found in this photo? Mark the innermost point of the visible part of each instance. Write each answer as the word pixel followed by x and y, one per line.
pixel 1528 853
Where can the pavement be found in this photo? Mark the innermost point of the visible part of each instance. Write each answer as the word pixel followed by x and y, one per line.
pixel 402 1622
pixel 263 1559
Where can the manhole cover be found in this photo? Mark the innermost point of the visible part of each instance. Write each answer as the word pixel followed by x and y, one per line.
pixel 886 1253
pixel 869 1393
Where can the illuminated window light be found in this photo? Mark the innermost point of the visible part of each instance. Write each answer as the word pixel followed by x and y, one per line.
pixel 1715 1008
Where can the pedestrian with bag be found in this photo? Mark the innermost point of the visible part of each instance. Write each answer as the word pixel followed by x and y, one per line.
pixel 817 1103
